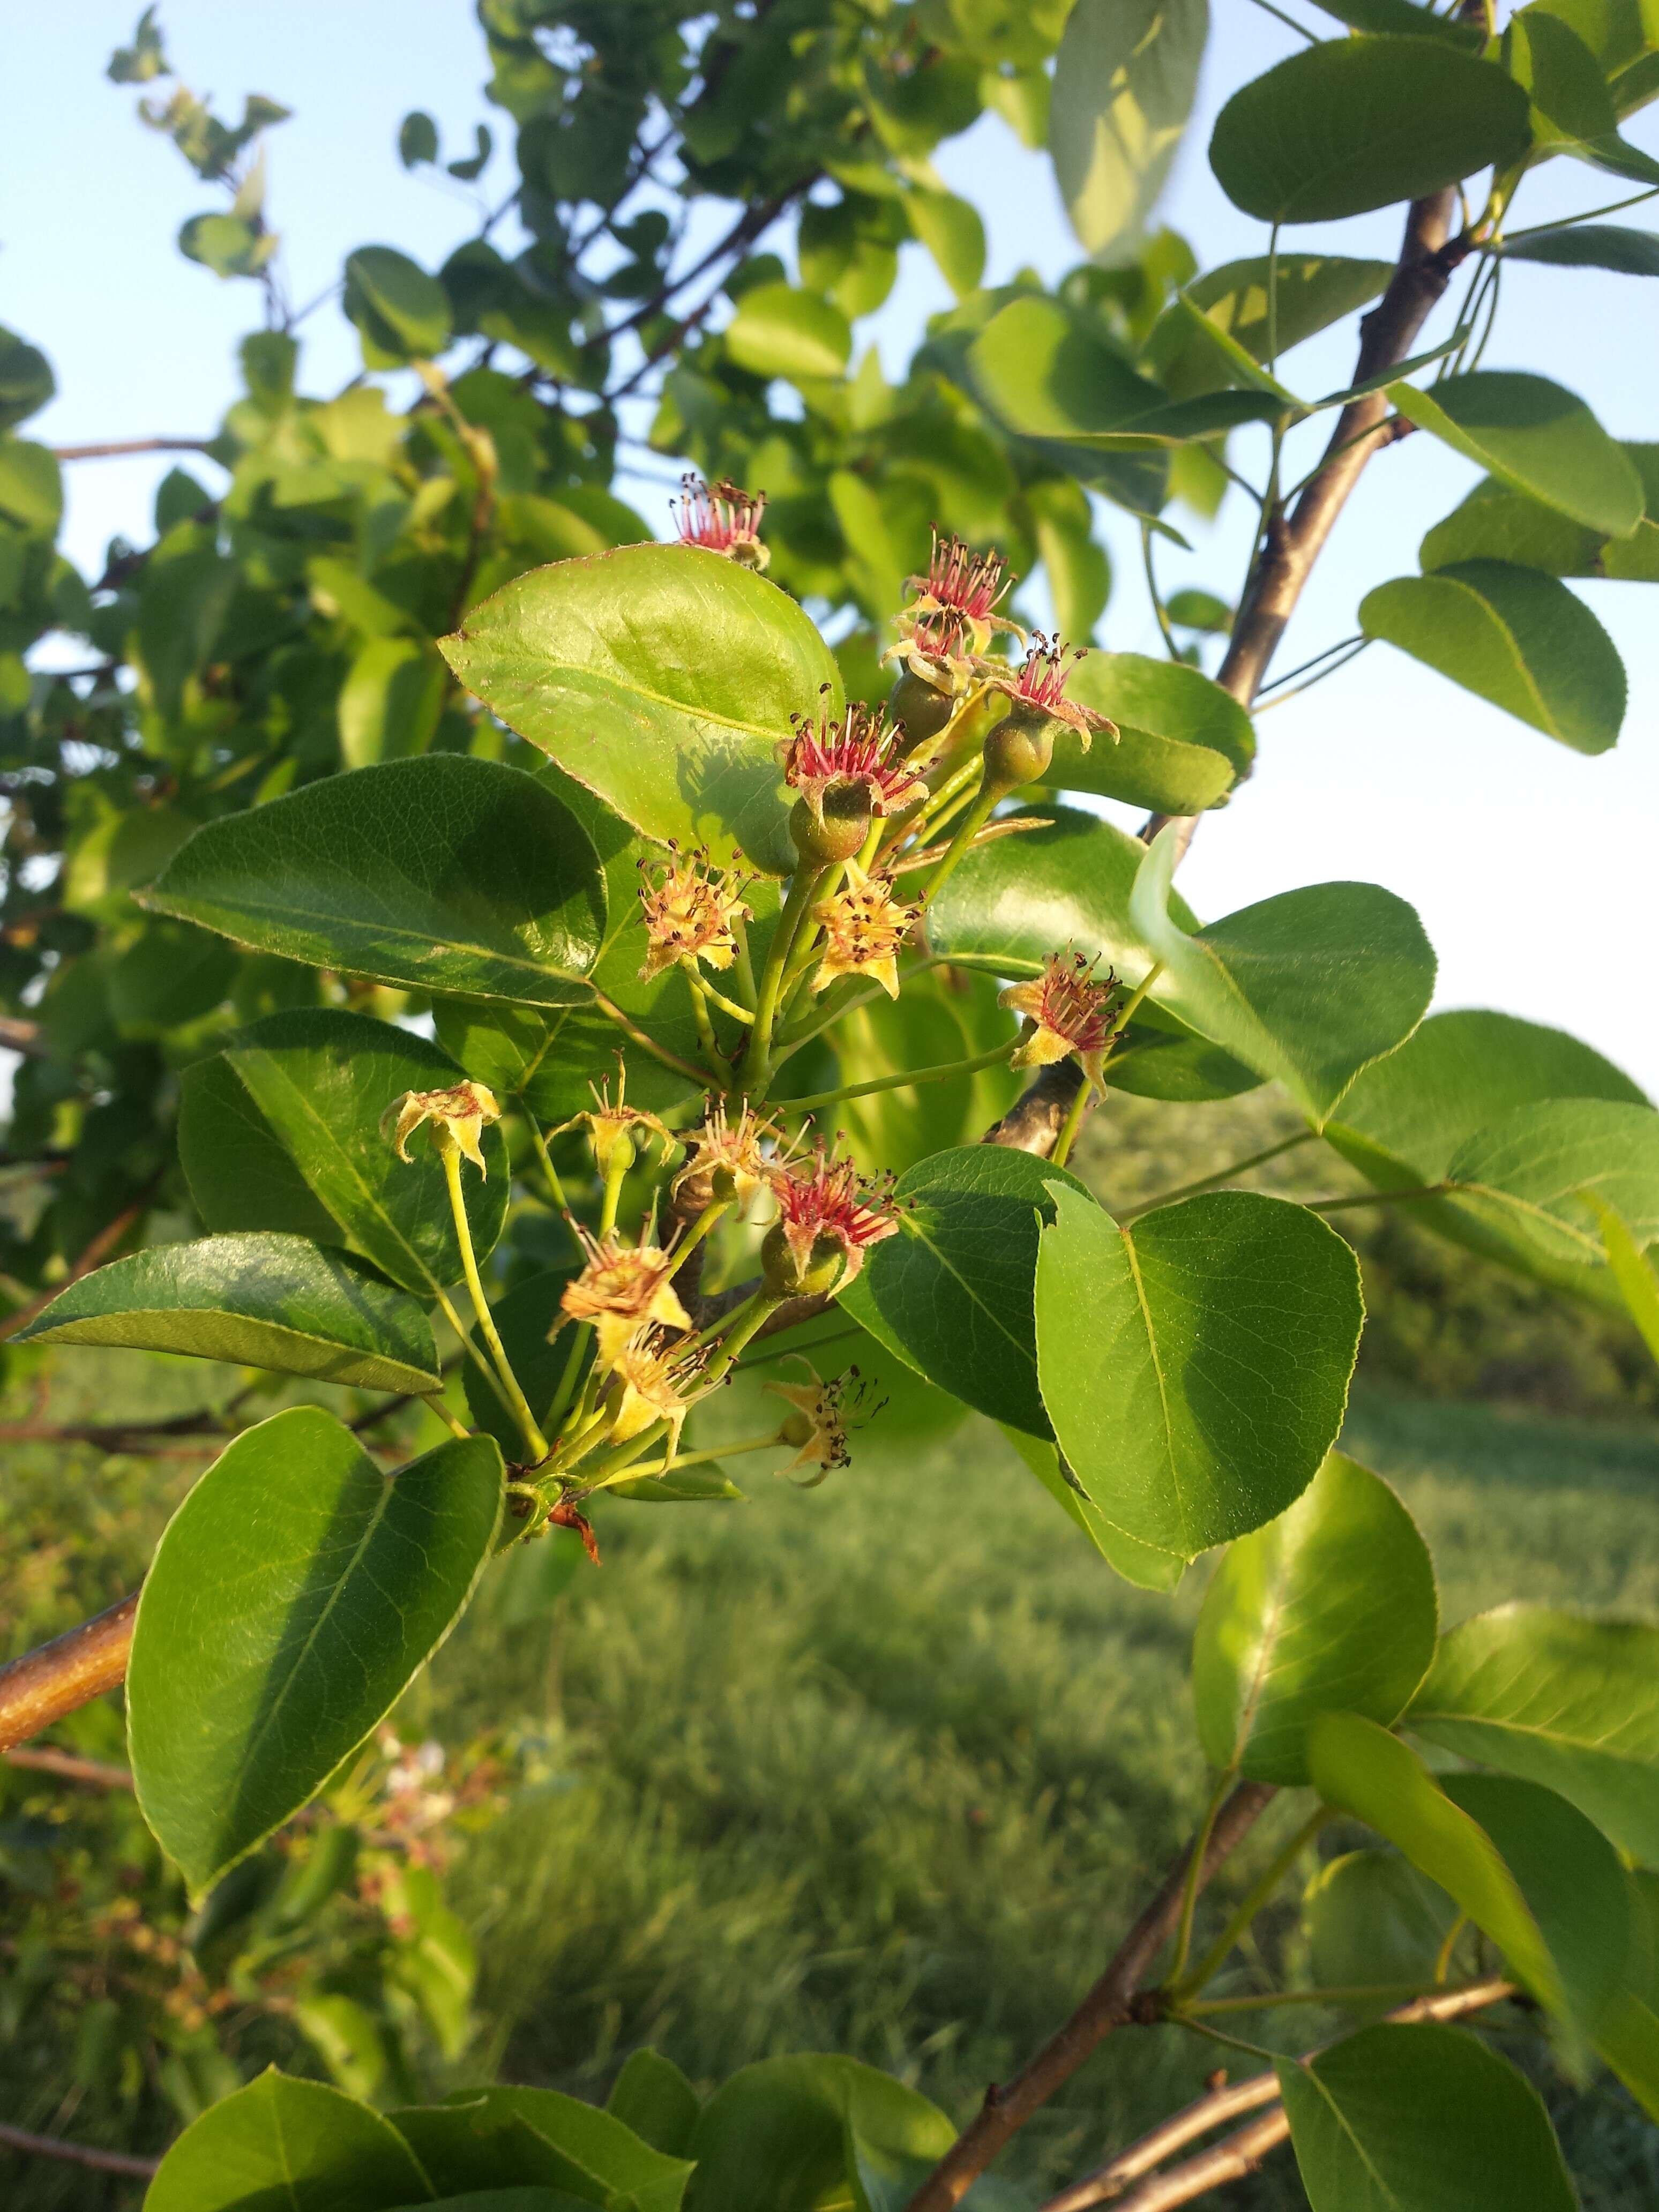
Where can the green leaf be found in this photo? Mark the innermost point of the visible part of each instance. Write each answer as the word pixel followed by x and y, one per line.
pixel 291 1598
pixel 1400 18
pixel 1357 124
pixel 1401 1122
pixel 477 2144
pixel 663 678
pixel 952 230
pixel 1421 2117
pixel 227 245
pixel 1183 741
pixel 652 2097
pixel 590 2154
pixel 1372 1920
pixel 1314 290
pixel 1044 372
pixel 1535 436
pixel 951 1292
pixel 1330 1608
pixel 1559 1913
pixel 401 314
pixel 780 331
pixel 526 1318
pixel 1560 1699
pixel 1079 575
pixel 27 382
pixel 1590 246
pixel 390 701
pixel 265 1301
pixel 281 2145
pixel 1628 2039
pixel 1309 987
pixel 1124 80
pixel 1511 635
pixel 1639 1286
pixel 282 1132
pixel 1194 1363
pixel 443 874
pixel 30 485
pixel 793 2134
pixel 417 139
pixel 1143 1564
pixel 1529 1178
pixel 1496 522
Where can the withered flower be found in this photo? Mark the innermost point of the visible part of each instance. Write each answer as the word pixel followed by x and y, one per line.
pixel 1037 688
pixel 964 587
pixel 623 1289
pixel 649 1384
pixel 1069 1013
pixel 854 753
pixel 610 1128
pixel 725 1160
pixel 864 927
pixel 724 518
pixel 690 909
pixel 824 1414
pixel 459 1116
pixel 827 1218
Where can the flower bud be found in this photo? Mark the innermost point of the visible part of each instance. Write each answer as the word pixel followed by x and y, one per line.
pixel 837 832
pixel 1019 748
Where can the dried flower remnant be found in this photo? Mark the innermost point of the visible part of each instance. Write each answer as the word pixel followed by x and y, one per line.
pixel 458 1115
pixel 689 911
pixel 1069 1012
pixel 964 587
pixel 623 1289
pixel 856 753
pixel 827 1218
pixel 865 927
pixel 724 518
pixel 610 1128
pixel 937 652
pixel 727 1161
pixel 649 1382
pixel 825 1414
pixel 1037 688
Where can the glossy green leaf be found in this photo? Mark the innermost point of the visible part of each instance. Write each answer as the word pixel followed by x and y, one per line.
pixel 526 1318
pixel 1123 85
pixel 282 2145
pixel 1496 522
pixel 1079 575
pixel 390 701
pixel 654 2098
pixel 780 331
pixel 1046 373
pixel 793 2134
pixel 1590 246
pixel 401 314
pixel 1633 1272
pixel 951 1292
pixel 1183 741
pixel 445 874
pixel 663 678
pixel 1143 1564
pixel 1181 1069
pixel 282 1132
pixel 1535 436
pixel 1196 1363
pixel 590 2154
pixel 1309 987
pixel 1572 106
pixel 1628 2037
pixel 1372 1920
pixel 1558 1909
pixel 1528 1176
pixel 292 1597
pixel 261 1301
pixel 1421 2117
pixel 1351 124
pixel 1557 1698
pixel 1312 291
pixel 1329 1609
pixel 1511 635
pixel 1405 1118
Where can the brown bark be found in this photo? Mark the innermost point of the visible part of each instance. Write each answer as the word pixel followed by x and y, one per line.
pixel 71 1670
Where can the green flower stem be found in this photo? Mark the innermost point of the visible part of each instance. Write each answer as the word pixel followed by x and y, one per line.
pixel 1073 1122
pixel 446 1308
pixel 701 1227
pixel 708 1043
pixel 701 1458
pixel 746 1321
pixel 791 1040
pixel 718 998
pixel 904 1077
pixel 532 1436
pixel 622 1160
pixel 545 1159
pixel 800 957
pixel 620 1462
pixel 1379 1992
pixel 688 1068
pixel 1255 1897
pixel 1221 1175
pixel 963 837
pixel 1195 1861
pixel 456 1427
pixel 756 1068
pixel 572 1366
pixel 744 966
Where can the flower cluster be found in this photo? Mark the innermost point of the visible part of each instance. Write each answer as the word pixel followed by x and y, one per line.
pixel 690 910
pixel 962 587
pixel 864 927
pixel 1069 1012
pixel 722 517
pixel 855 752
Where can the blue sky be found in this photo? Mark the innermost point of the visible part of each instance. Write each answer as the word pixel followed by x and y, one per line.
pixel 1532 867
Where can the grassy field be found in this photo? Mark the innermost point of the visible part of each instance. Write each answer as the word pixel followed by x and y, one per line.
pixel 886 1767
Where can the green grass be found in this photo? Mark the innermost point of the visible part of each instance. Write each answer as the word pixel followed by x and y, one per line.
pixel 889 1768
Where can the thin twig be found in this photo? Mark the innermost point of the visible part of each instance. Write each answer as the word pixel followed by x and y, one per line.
pixel 93 1255
pixel 103 2161
pixel 114 447
pixel 96 1773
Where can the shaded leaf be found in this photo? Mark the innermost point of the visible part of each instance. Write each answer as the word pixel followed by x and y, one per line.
pixel 1535 436
pixel 1143 1564
pixel 282 2143
pixel 1123 85
pixel 1371 1920
pixel 1590 246
pixel 1313 291
pixel 401 314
